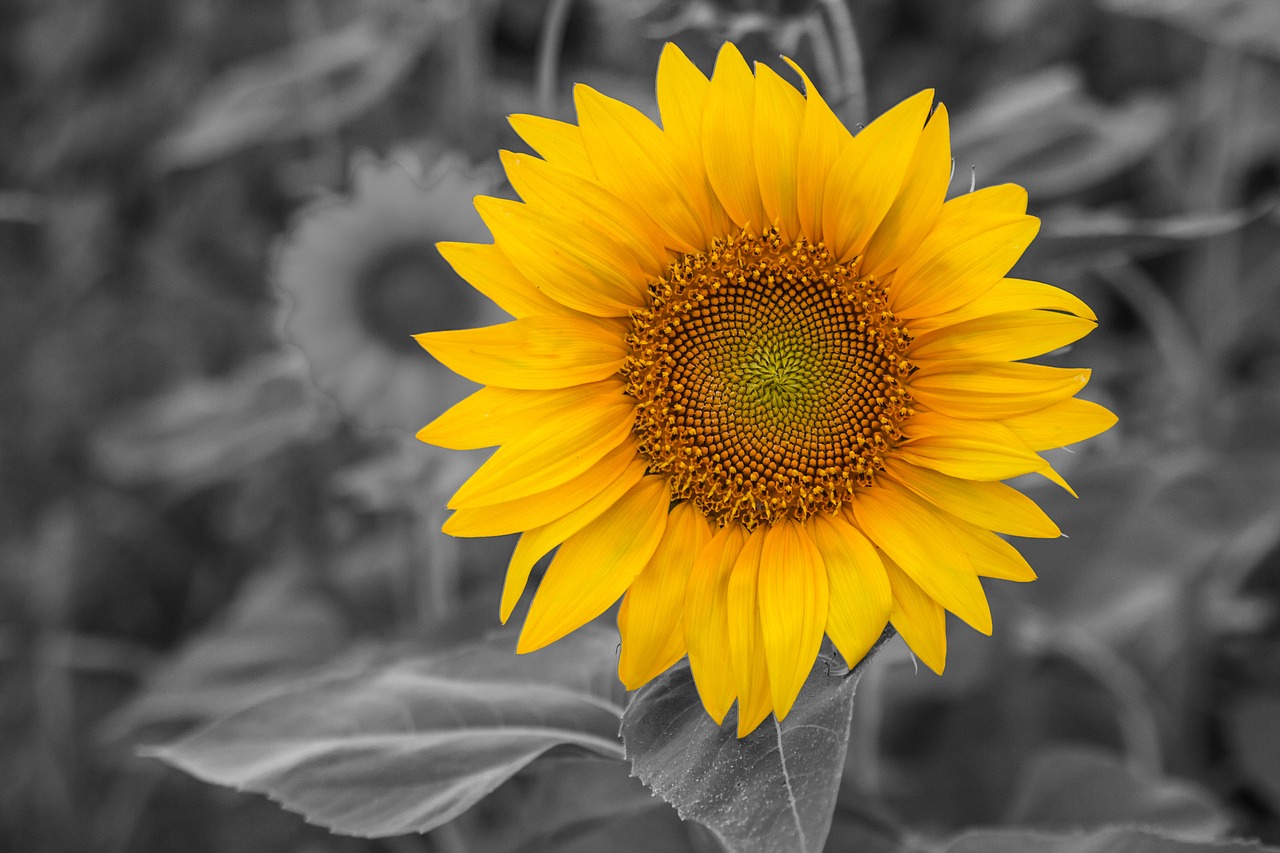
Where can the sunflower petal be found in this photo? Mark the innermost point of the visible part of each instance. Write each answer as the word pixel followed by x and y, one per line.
pixel 488 270
pixel 588 272
pixel 594 566
pixel 746 638
pixel 495 415
pixel 557 142
pixel 920 542
pixel 727 148
pixel 864 182
pixel 918 618
pixel 589 207
pixel 531 354
pixel 824 141
pixel 682 95
pixel 706 620
pixel 993 390
pixel 953 267
pixel 1008 336
pixel 652 614
pixel 543 507
pixel 967 449
pixel 778 112
pixel 919 200
pixel 793 610
pixel 1061 424
pixel 568 441
pixel 992 557
pixel 632 158
pixel 992 505
pixel 537 542
pixel 1009 294
pixel 860 599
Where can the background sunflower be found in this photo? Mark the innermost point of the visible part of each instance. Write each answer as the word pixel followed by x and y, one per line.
pixel 186 525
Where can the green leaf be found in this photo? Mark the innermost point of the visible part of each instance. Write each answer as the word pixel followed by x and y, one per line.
pixel 1071 788
pixel 773 790
pixel 1255 739
pixel 1116 840
pixel 412 743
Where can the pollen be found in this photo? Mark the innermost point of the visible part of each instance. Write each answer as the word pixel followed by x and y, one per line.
pixel 770 380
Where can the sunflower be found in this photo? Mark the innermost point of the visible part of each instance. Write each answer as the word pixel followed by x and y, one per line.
pixel 358 276
pixel 762 380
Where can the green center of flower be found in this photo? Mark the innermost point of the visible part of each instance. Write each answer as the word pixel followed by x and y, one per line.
pixel 769 379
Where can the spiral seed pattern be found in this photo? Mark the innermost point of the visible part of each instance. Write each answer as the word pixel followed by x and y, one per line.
pixel 769 379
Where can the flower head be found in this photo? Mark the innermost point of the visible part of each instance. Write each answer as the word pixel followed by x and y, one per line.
pixel 762 380
pixel 360 275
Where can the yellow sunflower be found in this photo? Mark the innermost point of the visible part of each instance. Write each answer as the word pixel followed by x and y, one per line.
pixel 762 380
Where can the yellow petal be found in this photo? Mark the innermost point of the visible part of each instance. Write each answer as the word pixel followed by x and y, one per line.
pixel 1009 294
pixel 992 390
pixel 918 618
pixel 576 266
pixel 779 110
pixel 538 542
pixel 594 566
pixel 493 416
pixel 1003 200
pixel 682 94
pixel 558 142
pixel 1061 424
pixel 532 353
pixel 865 181
pixel 589 207
pixel 919 200
pixel 746 640
pixel 1009 336
pixel 651 619
pixel 953 266
pixel 727 148
pixel 920 542
pixel 992 505
pixel 970 450
pixel 793 610
pixel 860 599
pixel 706 620
pixel 992 557
pixel 543 507
pixel 633 160
pixel 568 441
pixel 489 271
pixel 823 142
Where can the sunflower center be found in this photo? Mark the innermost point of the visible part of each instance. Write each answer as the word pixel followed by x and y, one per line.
pixel 769 379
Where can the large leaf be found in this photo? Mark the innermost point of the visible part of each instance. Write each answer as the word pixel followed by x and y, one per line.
pixel 1073 788
pixel 1104 841
pixel 773 790
pixel 408 745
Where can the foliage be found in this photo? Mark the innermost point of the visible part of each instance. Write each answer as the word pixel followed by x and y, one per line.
pixel 203 560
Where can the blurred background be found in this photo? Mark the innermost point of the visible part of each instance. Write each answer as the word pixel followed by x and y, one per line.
pixel 216 231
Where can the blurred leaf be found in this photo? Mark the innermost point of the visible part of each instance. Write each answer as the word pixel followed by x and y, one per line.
pixel 209 430
pixel 311 88
pixel 1079 788
pixel 1046 133
pixel 1250 24
pixel 1255 739
pixel 1116 840
pixel 1086 236
pixel 773 790
pixel 277 630
pixel 410 744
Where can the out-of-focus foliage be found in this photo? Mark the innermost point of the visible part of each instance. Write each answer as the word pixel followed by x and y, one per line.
pixel 191 532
